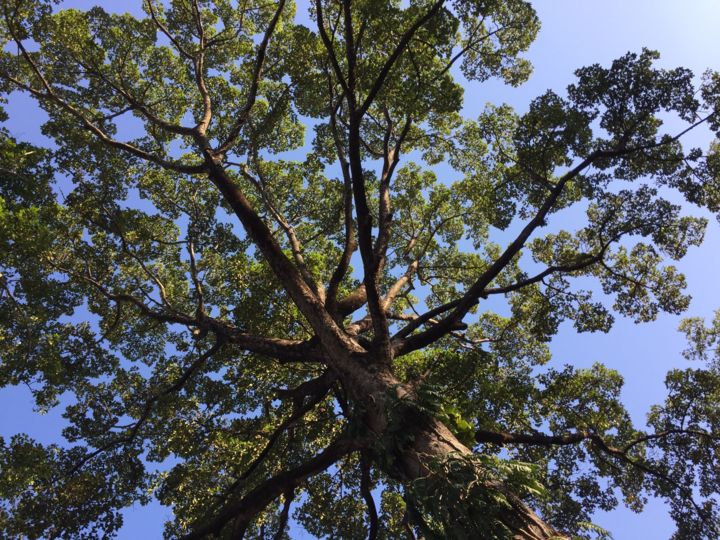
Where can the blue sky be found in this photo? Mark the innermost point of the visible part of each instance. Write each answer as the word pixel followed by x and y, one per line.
pixel 574 33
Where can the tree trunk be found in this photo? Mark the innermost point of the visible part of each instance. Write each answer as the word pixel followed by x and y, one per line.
pixel 413 441
pixel 437 442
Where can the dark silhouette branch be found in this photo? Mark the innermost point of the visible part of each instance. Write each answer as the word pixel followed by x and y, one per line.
pixel 315 390
pixel 329 48
pixel 130 436
pixel 283 350
pixel 296 246
pixel 397 52
pixel 244 113
pixel 242 511
pixel 365 490
pixel 309 304
pixel 391 158
pixel 585 260
pixel 288 497
pixel 350 244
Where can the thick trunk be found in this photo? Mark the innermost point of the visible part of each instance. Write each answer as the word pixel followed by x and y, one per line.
pixel 416 447
pixel 436 443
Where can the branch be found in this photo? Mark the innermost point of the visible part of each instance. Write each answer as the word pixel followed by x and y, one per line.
pixel 314 387
pixel 532 439
pixel 329 47
pixel 365 487
pixel 350 53
pixel 682 489
pixel 149 273
pixel 135 104
pixel 336 342
pixel 397 287
pixel 218 38
pixel 352 302
pixel 244 510
pixel 426 317
pixel 295 245
pixel 356 299
pixel 471 45
pixel 370 261
pixel 467 301
pixel 254 85
pixel 350 240
pixel 316 390
pixel 540 439
pixel 668 432
pixel 284 514
pixel 408 527
pixel 391 158
pixel 462 305
pixel 50 95
pixel 178 46
pixel 199 69
pixel 399 49
pixel 586 260
pixel 364 324
pixel 283 350
pixel 200 310
pixel 147 409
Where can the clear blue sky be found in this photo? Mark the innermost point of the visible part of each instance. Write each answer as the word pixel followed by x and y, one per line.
pixel 574 33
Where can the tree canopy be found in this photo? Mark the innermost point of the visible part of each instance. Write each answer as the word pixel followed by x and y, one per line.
pixel 259 267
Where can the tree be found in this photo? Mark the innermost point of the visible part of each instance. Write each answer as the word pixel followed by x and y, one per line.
pixel 313 329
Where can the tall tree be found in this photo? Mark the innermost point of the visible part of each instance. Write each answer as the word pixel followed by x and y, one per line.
pixel 251 329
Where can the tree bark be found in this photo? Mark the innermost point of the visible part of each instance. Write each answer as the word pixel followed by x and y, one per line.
pixel 437 441
pixel 430 441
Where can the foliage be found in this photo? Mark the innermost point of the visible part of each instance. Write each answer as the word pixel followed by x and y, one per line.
pixel 459 497
pixel 256 263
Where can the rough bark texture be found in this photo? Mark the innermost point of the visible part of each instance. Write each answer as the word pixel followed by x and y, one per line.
pixel 437 441
pixel 431 441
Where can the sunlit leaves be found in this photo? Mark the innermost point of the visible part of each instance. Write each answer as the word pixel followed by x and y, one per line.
pixel 688 454
pixel 43 493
